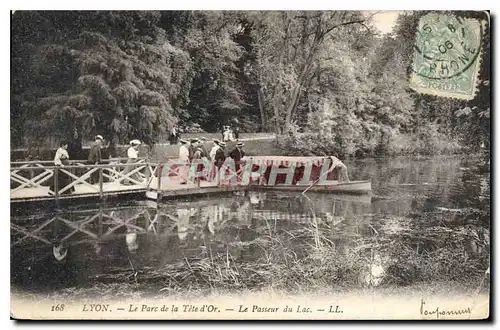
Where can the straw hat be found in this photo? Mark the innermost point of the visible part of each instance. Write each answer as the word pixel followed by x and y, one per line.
pixel 194 140
pixel 240 144
pixel 183 141
pixel 135 142
pixel 99 137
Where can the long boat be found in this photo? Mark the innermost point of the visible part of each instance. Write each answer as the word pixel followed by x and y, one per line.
pixel 360 187
pixel 321 174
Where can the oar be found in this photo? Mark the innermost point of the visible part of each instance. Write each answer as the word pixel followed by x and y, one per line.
pixel 315 182
pixel 321 177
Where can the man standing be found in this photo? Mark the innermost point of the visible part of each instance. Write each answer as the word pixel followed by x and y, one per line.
pixel 204 153
pixel 237 154
pixel 95 157
pixel 75 146
pixel 174 135
pixel 220 157
pixel 184 161
pixel 236 132
pixel 214 150
pixel 226 134
pixel 193 145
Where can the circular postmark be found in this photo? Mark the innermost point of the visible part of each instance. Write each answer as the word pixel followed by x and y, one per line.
pixel 446 45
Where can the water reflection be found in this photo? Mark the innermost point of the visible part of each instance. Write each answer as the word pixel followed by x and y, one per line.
pixel 427 220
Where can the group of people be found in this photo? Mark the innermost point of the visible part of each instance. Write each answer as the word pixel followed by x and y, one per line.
pixel 229 134
pixel 195 150
pixel 61 159
pixel 189 151
pixel 174 136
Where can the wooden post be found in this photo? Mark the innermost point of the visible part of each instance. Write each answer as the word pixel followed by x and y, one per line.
pixel 100 226
pixel 197 175
pixel 101 190
pixel 56 186
pixel 148 173
pixel 158 186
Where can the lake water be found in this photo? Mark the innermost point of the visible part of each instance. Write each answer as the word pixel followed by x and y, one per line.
pixel 426 221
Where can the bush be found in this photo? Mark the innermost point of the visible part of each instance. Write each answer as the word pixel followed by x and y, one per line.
pixel 384 142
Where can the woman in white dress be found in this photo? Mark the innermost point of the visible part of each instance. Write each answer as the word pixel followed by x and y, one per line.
pixel 132 155
pixel 184 162
pixel 61 159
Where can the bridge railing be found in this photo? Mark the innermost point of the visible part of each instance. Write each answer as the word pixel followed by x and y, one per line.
pixel 72 162
pixel 40 180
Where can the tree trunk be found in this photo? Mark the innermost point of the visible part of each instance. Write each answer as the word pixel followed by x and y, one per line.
pixel 292 104
pixel 263 116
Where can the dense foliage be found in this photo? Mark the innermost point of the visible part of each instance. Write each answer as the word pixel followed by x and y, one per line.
pixel 329 82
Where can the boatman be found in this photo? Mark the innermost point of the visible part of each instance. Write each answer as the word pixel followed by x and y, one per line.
pixel 95 157
pixel 237 154
pixel 184 161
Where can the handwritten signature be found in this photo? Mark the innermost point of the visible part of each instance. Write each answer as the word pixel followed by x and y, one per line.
pixel 442 312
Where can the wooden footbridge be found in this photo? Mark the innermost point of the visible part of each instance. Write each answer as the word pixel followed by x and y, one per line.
pixel 42 181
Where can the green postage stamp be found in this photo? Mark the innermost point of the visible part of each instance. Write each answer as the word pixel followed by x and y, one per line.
pixel 447 56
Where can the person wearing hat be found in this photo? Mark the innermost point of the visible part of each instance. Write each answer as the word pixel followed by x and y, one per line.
pixel 215 146
pixel 204 150
pixel 226 135
pixel 184 157
pixel 132 155
pixel 198 156
pixel 95 157
pixel 193 145
pixel 61 159
pixel 237 154
pixel 205 157
pixel 220 157
pixel 211 157
pixel 174 135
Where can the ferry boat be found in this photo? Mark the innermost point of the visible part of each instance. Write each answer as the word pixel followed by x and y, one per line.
pixel 322 174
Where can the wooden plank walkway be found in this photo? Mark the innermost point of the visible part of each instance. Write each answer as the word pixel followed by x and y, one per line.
pixel 38 181
pixel 81 190
pixel 173 188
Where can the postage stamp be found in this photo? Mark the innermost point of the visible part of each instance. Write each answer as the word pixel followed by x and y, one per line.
pixel 447 56
pixel 270 165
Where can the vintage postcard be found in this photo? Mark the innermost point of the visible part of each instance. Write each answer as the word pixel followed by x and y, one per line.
pixel 250 165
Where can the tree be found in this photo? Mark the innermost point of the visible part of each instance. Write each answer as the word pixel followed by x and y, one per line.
pixel 112 73
pixel 289 46
pixel 209 38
